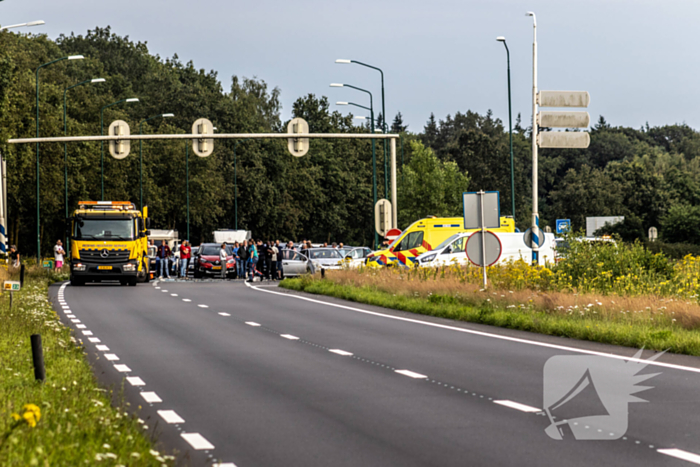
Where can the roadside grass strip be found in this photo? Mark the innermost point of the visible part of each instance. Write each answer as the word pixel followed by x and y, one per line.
pixel 69 419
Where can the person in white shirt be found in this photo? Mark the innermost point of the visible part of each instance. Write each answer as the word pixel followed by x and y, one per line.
pixel 58 253
pixel 223 256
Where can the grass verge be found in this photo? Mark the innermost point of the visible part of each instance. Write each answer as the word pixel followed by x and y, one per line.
pixel 660 333
pixel 69 419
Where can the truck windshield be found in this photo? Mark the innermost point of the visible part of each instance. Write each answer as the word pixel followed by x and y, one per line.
pixel 104 229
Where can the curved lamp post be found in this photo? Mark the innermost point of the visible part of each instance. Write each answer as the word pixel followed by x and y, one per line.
pixel 38 177
pixel 141 154
pixel 102 144
pixel 510 128
pixel 23 25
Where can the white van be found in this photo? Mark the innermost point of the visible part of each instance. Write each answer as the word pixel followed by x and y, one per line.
pixel 513 247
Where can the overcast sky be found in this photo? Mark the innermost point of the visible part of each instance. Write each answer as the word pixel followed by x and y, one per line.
pixel 637 58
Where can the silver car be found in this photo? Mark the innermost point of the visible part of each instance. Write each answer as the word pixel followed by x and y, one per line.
pixel 295 264
pixel 325 258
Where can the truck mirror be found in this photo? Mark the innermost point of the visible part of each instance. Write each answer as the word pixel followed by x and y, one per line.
pixel 148 224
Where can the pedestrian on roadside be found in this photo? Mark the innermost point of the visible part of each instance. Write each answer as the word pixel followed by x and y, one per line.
pixel 262 252
pixel 269 262
pixel 252 260
pixel 223 257
pixel 290 246
pixel 341 245
pixel 164 255
pixel 185 254
pixel 335 246
pixel 242 263
pixel 14 256
pixel 58 253
pixel 325 244
pixel 235 258
pixel 279 247
pixel 274 254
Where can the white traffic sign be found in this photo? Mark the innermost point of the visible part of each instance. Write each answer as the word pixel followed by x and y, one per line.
pixel 392 234
pixel 11 286
pixel 563 98
pixel 491 248
pixel 556 119
pixel 653 234
pixel 472 210
pixel 382 216
pixel 564 139
pixel 298 146
pixel 202 146
pixel 119 149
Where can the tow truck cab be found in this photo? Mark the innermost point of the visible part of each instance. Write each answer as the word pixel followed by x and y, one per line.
pixel 109 241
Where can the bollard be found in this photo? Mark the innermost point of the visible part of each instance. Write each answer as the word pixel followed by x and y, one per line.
pixel 323 273
pixel 11 297
pixel 38 358
pixel 21 275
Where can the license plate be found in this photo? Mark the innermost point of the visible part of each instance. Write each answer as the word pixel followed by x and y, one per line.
pixel 216 268
pixel 104 268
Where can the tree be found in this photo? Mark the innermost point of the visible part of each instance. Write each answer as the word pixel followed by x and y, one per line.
pixel 398 126
pixel 681 224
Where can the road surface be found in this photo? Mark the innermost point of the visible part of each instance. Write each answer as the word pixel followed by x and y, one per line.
pixel 232 374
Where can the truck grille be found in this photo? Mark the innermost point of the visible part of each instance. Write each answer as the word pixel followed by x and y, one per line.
pixel 102 255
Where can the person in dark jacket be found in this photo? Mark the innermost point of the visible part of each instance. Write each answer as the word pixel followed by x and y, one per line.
pixel 164 255
pixel 242 261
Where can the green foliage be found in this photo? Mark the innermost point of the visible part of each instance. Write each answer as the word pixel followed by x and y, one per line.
pixel 681 224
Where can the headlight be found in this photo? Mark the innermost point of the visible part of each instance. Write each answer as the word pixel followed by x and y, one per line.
pixel 79 267
pixel 129 267
pixel 230 261
pixel 428 258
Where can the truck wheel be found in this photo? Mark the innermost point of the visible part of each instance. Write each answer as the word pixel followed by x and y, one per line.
pixel 123 281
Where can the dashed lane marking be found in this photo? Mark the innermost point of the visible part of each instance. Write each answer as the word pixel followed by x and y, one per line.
pixel 170 416
pixel 122 368
pixel 203 306
pixel 197 441
pixel 101 348
pixel 80 326
pixel 252 323
pixel 94 339
pixel 517 406
pixel 75 320
pixel 341 352
pixel 135 381
pixel 290 337
pixel 186 300
pixel 680 454
pixel 410 374
pixel 224 314
pixel 111 357
pixel 87 333
pixel 151 397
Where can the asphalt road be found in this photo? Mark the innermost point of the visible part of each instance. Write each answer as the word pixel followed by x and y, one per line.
pixel 259 376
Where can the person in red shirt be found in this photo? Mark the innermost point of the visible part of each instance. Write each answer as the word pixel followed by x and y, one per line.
pixel 185 253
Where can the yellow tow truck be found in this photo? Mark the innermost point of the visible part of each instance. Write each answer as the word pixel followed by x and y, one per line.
pixel 109 241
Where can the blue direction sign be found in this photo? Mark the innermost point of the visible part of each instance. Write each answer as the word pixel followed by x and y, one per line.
pixel 563 225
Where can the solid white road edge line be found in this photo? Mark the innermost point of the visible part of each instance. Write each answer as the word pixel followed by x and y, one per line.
pixel 517 406
pixel 170 416
pixel 680 454
pixel 135 381
pixel 197 441
pixel 290 337
pixel 410 374
pixel 488 334
pixel 340 352
pixel 151 397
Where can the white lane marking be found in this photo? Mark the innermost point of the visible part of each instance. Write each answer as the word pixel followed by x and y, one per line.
pixel 197 441
pixel 680 454
pixel 111 357
pixel 410 374
pixel 252 323
pixel 224 314
pixel 122 368
pixel 290 337
pixel 157 288
pixel 151 397
pixel 70 316
pixel 203 306
pixel 340 352
pixel 94 339
pixel 75 320
pixel 87 333
pixel 173 295
pixel 135 381
pixel 225 464
pixel 102 348
pixel 488 334
pixel 170 416
pixel 186 300
pixel 65 307
pixel 164 291
pixel 80 326
pixel 517 406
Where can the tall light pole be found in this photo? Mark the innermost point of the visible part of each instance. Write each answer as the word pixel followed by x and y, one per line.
pixel 65 145
pixel 141 154
pixel 374 151
pixel 386 165
pixel 102 144
pixel 38 177
pixel 235 180
pixel 23 25
pixel 510 129
pixel 187 185
pixel 535 213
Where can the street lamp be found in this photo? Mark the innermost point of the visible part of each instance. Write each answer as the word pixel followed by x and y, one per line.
pixel 510 129
pixel 65 145
pixel 235 180
pixel 141 154
pixel 38 177
pixel 102 143
pixel 535 214
pixel 23 25
pixel 374 152
pixel 386 163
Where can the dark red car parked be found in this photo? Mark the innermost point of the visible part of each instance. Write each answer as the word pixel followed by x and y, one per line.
pixel 207 261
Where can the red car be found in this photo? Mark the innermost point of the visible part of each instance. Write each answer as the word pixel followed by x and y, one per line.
pixel 207 261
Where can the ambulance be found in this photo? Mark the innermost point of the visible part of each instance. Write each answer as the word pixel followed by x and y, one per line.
pixel 109 241
pixel 422 236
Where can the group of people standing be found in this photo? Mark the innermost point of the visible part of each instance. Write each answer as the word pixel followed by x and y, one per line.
pixel 258 259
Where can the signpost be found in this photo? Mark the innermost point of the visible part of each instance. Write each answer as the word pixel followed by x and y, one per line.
pixel 563 225
pixel 202 146
pixel 298 146
pixel 382 217
pixel 482 211
pixel 392 234
pixel 12 287
pixel 47 264
pixel 119 149
pixel 530 239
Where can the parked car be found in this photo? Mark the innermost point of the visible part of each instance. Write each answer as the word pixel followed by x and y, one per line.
pixel 356 257
pixel 207 262
pixel 193 259
pixel 325 258
pixel 296 264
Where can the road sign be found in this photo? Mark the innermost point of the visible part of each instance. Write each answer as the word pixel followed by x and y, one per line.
pixel 392 234
pixel 202 146
pixel 558 119
pixel 472 210
pixel 563 225
pixel 382 216
pixel 653 234
pixel 119 149
pixel 563 139
pixel 491 248
pixel 563 98
pixel 47 263
pixel 11 286
pixel 298 146
pixel 527 237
